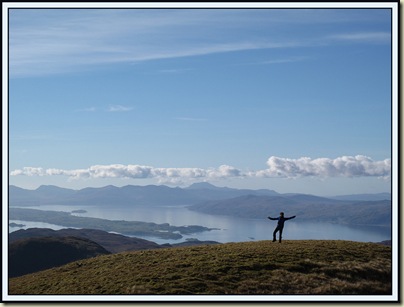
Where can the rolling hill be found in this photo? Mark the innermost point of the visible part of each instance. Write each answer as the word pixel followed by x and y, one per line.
pixel 37 254
pixel 37 249
pixel 247 268
pixel 112 242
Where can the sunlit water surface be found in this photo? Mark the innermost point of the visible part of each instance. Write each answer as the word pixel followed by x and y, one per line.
pixel 227 228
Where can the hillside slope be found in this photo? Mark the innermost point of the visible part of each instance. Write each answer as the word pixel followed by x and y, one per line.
pixel 37 254
pixel 112 242
pixel 247 268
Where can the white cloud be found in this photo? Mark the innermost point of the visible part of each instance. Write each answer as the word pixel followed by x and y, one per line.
pixel 285 60
pixel 119 108
pixel 225 171
pixel 29 171
pixel 110 108
pixel 345 166
pixel 118 171
pixel 372 37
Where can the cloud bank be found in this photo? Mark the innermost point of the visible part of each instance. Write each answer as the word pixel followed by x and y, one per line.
pixel 345 166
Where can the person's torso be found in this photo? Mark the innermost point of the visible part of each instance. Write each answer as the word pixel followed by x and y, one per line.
pixel 281 221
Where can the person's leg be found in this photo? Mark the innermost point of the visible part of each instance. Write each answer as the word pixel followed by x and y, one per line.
pixel 274 234
pixel 280 235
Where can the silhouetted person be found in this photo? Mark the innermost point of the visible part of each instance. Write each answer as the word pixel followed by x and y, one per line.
pixel 281 221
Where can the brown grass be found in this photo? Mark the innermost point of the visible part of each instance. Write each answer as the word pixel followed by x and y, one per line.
pixel 256 268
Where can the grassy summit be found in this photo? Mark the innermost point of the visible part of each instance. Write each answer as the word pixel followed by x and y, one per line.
pixel 247 268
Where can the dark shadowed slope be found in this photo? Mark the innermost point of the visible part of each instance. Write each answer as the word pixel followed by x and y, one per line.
pixel 114 243
pixel 37 254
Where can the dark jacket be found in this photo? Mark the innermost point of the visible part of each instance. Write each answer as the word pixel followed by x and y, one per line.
pixel 281 219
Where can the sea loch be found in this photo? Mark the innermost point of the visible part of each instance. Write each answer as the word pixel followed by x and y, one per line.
pixel 228 228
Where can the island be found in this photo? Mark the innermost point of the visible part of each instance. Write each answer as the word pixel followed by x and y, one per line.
pixel 129 228
pixel 16 225
pixel 79 211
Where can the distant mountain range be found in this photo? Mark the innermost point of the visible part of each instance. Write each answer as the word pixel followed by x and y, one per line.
pixel 150 195
pixel 128 195
pixel 364 197
pixel 306 207
pixel 360 209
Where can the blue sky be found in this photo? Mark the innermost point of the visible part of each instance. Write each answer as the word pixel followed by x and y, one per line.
pixel 295 100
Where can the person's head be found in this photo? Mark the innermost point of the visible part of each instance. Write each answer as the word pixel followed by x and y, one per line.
pixel 281 213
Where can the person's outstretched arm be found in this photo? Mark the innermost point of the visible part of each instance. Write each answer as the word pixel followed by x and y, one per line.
pixel 289 218
pixel 272 218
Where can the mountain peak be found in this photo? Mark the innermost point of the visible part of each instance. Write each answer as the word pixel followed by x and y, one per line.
pixel 51 188
pixel 47 187
pixel 202 185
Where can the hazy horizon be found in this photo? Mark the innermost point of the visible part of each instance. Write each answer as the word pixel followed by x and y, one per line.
pixel 189 186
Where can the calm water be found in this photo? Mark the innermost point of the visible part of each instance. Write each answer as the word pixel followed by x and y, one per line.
pixel 230 229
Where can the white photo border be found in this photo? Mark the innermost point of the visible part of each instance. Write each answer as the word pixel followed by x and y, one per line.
pixel 393 5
